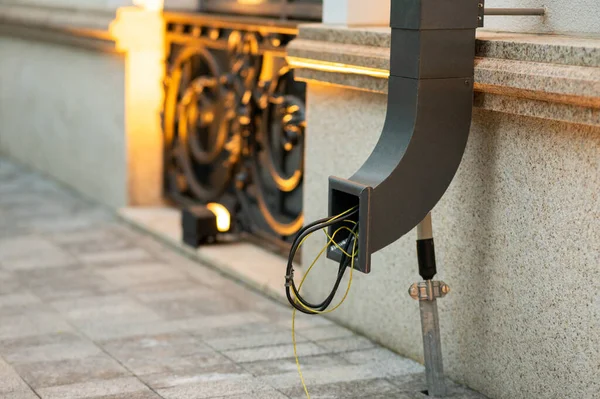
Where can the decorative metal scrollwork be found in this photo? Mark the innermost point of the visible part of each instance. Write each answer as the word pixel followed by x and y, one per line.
pixel 279 141
pixel 234 125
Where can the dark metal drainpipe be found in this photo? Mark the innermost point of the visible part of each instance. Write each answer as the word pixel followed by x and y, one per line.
pixel 429 108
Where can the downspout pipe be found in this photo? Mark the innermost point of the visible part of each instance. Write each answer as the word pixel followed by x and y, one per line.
pixel 430 99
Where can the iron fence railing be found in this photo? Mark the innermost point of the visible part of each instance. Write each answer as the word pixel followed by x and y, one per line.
pixel 284 9
pixel 234 122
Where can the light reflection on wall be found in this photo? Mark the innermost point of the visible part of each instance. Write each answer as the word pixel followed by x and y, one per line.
pixel 251 2
pixel 139 34
pixel 150 5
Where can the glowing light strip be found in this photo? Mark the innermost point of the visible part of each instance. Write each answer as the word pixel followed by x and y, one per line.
pixel 328 66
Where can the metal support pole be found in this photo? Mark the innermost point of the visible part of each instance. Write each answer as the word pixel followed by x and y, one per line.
pixel 427 292
pixel 485 11
pixel 515 11
pixel 432 347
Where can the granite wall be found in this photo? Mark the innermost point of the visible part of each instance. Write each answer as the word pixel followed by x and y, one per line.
pixel 573 16
pixel 517 239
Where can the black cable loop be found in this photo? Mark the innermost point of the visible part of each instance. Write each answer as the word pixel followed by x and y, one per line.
pixel 344 261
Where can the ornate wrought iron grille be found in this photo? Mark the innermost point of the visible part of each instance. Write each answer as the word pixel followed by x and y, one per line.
pixel 234 121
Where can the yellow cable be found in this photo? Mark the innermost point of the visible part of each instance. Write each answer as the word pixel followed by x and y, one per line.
pixel 332 219
pixel 315 261
pixel 331 239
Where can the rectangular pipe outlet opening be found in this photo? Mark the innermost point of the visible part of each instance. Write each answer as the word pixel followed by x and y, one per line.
pixel 340 203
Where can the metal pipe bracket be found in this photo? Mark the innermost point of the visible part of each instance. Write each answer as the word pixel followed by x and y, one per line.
pixel 428 290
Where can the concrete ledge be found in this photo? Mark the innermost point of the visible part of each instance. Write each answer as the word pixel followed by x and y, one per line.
pixel 77 27
pixel 524 74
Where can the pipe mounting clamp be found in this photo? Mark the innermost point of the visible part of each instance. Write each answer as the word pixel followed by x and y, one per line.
pixel 428 290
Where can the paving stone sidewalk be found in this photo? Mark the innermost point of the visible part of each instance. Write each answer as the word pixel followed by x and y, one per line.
pixel 90 308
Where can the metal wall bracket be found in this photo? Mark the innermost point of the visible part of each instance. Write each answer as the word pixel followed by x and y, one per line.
pixel 428 290
pixel 514 12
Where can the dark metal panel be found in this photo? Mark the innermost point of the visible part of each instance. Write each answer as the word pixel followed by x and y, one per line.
pixel 432 53
pixel 434 14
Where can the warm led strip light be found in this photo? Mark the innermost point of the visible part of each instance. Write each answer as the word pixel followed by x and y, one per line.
pixel 327 66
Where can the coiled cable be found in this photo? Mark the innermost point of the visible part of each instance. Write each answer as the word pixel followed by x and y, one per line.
pixel 347 259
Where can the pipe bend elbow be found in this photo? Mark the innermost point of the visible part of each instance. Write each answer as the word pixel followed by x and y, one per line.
pixel 428 163
pixel 413 163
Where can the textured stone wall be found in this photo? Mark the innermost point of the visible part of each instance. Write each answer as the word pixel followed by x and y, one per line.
pixel 62 112
pixel 517 239
pixel 573 16
pixel 99 5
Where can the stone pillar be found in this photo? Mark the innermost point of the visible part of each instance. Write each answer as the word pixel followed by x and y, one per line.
pixel 139 34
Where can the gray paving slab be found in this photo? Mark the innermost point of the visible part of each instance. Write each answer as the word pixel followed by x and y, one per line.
pixel 106 239
pixel 9 345
pixel 163 353
pixel 113 309
pixel 52 352
pixel 93 389
pixel 34 323
pixel 174 291
pixel 324 376
pixel 197 307
pixel 325 333
pixel 252 341
pixel 10 283
pixel 346 344
pixel 25 394
pixel 145 394
pixel 10 381
pixel 28 247
pixel 288 365
pixel 128 274
pixel 194 375
pixel 253 326
pixel 271 394
pixel 91 254
pixel 70 371
pixel 18 298
pixel 92 309
pixel 346 389
pixel 303 322
pixel 215 324
pixel 273 352
pixel 249 387
pixel 101 331
pixel 25 253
